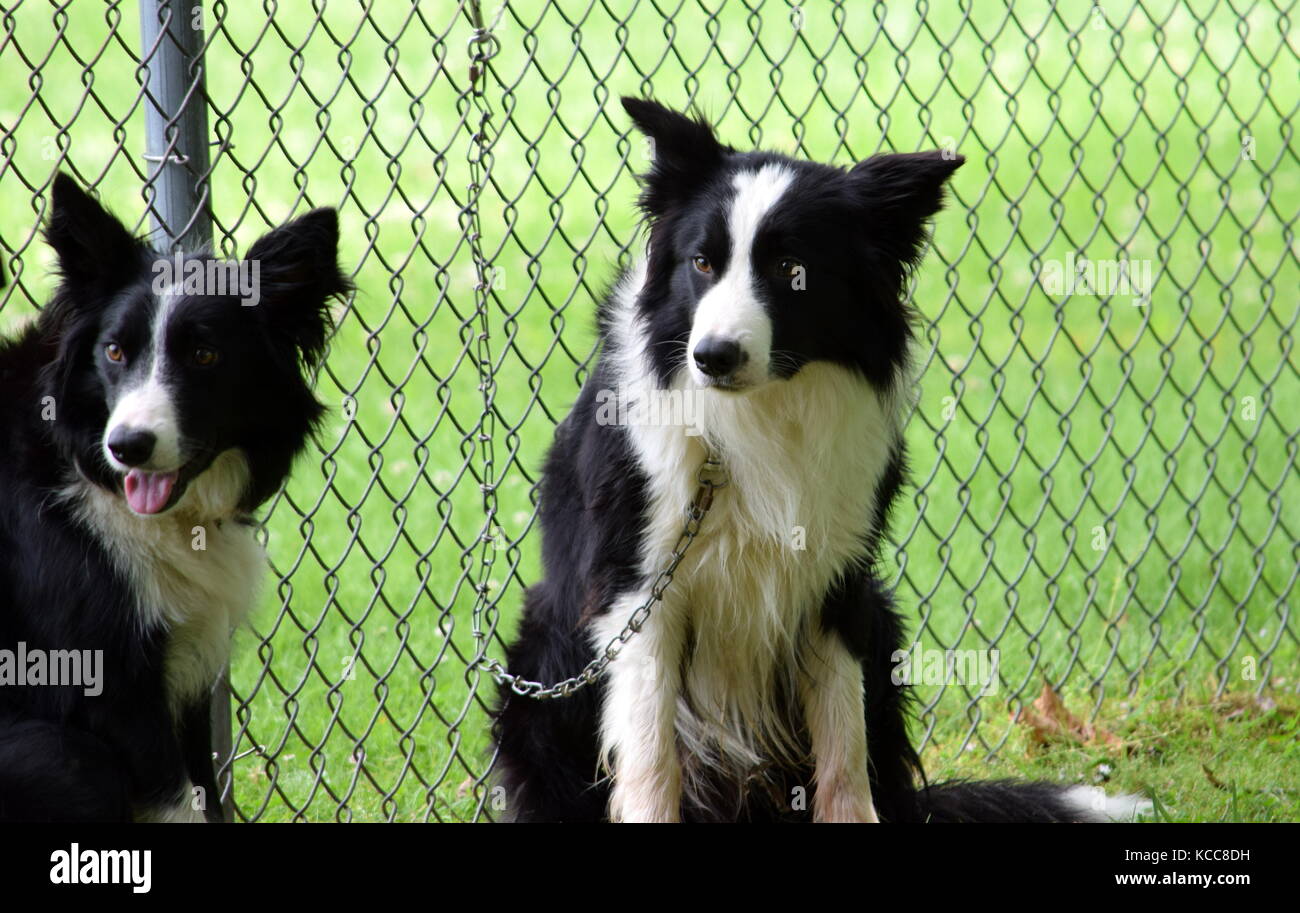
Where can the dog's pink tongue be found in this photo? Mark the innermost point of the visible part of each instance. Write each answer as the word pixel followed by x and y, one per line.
pixel 147 492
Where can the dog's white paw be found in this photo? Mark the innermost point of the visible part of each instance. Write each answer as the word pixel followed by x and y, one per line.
pixel 653 797
pixel 844 805
pixel 641 809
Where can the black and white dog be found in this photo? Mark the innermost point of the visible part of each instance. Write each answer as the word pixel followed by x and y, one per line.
pixel 770 303
pixel 143 421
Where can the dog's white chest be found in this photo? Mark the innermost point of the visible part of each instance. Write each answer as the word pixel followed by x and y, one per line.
pixel 804 458
pixel 197 578
pixel 202 581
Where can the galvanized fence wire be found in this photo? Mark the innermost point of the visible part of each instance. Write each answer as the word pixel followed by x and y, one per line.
pixel 1099 485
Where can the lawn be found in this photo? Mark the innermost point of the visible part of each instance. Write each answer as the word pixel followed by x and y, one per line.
pixel 1099 484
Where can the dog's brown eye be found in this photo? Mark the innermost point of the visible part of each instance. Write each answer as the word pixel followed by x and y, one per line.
pixel 702 264
pixel 789 267
pixel 205 358
pixel 114 353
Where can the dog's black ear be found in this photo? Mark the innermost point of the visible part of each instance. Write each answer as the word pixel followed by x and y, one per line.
pixel 900 191
pixel 95 250
pixel 685 153
pixel 298 274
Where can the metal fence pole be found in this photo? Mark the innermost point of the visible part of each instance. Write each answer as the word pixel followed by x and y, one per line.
pixel 177 191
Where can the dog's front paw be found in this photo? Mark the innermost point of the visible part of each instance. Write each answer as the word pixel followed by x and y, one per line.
pixel 624 814
pixel 844 805
pixel 645 800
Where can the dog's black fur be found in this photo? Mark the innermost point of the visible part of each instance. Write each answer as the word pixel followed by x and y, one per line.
pixel 65 755
pixel 860 231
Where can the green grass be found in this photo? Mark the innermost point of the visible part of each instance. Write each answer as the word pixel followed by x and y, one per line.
pixel 1231 758
pixel 1065 414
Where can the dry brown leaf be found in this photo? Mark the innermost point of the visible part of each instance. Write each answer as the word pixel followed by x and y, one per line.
pixel 1050 720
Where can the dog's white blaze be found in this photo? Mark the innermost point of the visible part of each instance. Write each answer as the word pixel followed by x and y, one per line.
pixel 150 406
pixel 804 457
pixel 200 595
pixel 731 309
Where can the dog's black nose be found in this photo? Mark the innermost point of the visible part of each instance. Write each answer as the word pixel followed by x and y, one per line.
pixel 131 447
pixel 718 357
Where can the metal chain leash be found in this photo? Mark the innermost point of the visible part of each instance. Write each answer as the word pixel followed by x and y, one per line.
pixel 482 47
pixel 711 477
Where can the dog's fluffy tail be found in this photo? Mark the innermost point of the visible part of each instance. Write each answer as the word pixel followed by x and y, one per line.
pixel 1012 801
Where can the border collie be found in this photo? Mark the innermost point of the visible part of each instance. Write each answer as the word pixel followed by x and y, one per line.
pixel 145 417
pixel 770 303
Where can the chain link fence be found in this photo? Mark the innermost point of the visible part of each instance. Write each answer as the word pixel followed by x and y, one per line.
pixel 1104 444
